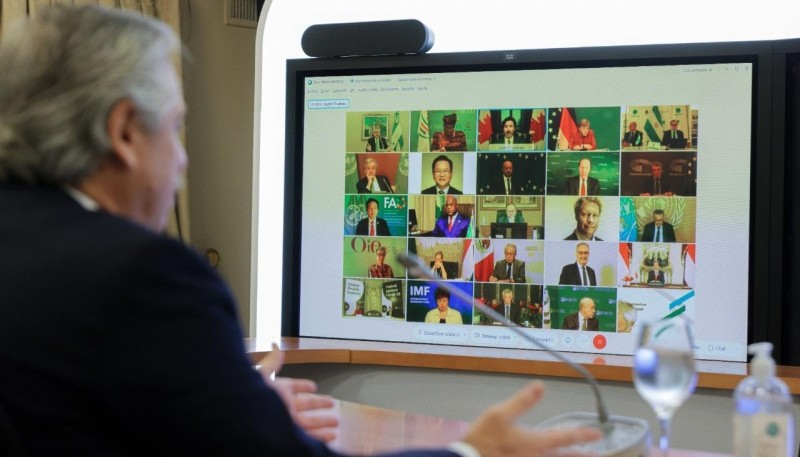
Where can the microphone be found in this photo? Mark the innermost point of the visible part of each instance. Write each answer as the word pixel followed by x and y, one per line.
pixel 624 436
pixel 388 186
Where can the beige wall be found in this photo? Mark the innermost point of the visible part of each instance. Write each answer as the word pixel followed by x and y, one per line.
pixel 219 88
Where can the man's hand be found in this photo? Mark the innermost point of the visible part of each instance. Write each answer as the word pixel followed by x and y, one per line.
pixel 310 411
pixel 494 432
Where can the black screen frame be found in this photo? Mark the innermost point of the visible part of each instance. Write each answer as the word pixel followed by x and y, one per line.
pixel 766 269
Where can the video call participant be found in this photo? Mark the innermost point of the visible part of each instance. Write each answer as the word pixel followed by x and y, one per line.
pixel 673 138
pixel 658 231
pixel 372 225
pixel 583 185
pixel 372 182
pixel 505 183
pixel 85 191
pixel 587 218
pixel 508 308
pixel 451 224
pixel 578 273
pixel 632 137
pixel 584 140
pixel 377 143
pixel 450 139
pixel 443 313
pixel 509 269
pixel 659 184
pixel 511 215
pixel 583 319
pixel 380 269
pixel 442 168
pixel 510 137
pixel 438 268
pixel 656 276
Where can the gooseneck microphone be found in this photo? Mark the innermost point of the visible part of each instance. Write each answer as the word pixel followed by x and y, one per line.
pixel 624 437
pixel 388 186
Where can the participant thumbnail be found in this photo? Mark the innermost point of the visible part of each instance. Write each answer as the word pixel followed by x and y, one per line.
pixel 583 129
pixel 519 217
pixel 384 173
pixel 430 303
pixel 650 305
pixel 582 174
pixel 377 131
pixel 658 219
pixel 447 258
pixel 666 173
pixel 512 129
pixel 582 218
pixel 659 265
pixel 511 173
pixel 509 261
pixel 378 215
pixel 374 298
pixel 582 308
pixel 444 216
pixel 519 303
pixel 369 257
pixel 443 130
pixel 441 173
pixel 581 263
pixel 651 127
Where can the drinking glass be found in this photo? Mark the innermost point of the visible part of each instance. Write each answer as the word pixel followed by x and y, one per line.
pixel 663 369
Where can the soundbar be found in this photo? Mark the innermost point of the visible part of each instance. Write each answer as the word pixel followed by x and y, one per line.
pixel 397 37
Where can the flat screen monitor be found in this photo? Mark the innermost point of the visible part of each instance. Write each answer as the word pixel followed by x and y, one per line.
pixel 509 230
pixel 628 159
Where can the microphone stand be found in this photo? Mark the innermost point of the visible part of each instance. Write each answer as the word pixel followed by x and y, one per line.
pixel 416 268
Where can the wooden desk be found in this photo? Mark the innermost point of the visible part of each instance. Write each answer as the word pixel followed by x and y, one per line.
pixel 368 430
pixel 712 375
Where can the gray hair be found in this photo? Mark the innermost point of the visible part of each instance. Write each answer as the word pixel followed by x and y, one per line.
pixel 61 73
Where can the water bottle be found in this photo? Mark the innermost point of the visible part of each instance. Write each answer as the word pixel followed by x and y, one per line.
pixel 763 425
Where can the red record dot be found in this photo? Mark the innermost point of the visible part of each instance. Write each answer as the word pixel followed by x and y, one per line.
pixel 599 341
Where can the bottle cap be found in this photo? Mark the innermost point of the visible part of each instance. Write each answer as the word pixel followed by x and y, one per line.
pixel 762 366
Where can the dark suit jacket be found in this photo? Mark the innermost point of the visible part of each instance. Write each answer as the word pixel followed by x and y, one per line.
pixel 120 341
pixel 517 270
pixel 371 142
pixel 519 138
pixel 633 138
pixel 571 275
pixel 574 182
pixel 381 227
pixel 383 184
pixel 433 190
pixel 513 312
pixel 498 186
pixel 459 229
pixel 668 233
pixel 571 323
pixel 573 237
pixel 676 143
pixel 655 278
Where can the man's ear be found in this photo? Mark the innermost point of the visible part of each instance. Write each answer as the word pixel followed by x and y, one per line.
pixel 124 132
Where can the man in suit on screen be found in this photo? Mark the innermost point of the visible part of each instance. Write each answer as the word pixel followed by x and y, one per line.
pixel 372 225
pixel 372 182
pixel 509 138
pixel 658 231
pixel 451 224
pixel 583 185
pixel 632 137
pixel 583 319
pixel 587 218
pixel 673 138
pixel 656 275
pixel 578 273
pixel 133 347
pixel 377 143
pixel 509 269
pixel 442 168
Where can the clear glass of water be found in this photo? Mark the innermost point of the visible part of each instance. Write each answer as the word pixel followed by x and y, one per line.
pixel 663 369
